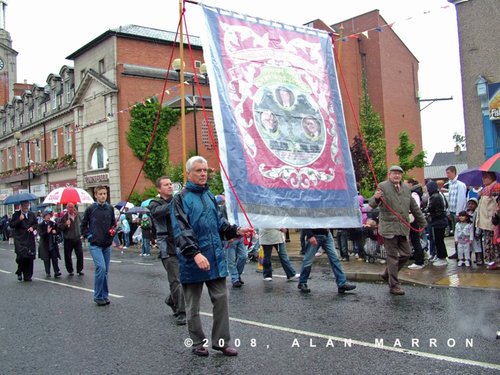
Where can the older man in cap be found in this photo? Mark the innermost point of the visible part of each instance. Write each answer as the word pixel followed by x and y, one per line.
pixel 395 204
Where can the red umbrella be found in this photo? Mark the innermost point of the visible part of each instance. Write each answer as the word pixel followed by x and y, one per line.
pixel 492 164
pixel 68 194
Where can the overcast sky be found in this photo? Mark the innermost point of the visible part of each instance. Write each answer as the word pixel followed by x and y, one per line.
pixel 45 32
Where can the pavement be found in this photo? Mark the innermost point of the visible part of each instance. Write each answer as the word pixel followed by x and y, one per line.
pixel 430 276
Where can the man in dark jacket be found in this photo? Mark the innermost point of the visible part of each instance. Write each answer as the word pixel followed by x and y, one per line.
pixel 392 196
pixel 69 225
pixel 98 226
pixel 23 224
pixel 160 212
pixel 198 227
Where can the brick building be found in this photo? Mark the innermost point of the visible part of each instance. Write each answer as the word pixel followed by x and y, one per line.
pixel 82 113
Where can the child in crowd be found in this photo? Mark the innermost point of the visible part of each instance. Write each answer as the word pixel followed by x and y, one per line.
pixel 146 235
pixel 476 247
pixel 464 235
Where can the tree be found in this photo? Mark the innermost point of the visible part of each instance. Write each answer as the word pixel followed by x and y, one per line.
pixel 373 132
pixel 142 121
pixel 405 151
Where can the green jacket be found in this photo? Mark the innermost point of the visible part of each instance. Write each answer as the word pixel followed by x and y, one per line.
pixel 402 203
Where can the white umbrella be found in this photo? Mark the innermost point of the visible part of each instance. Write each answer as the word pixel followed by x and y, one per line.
pixel 66 195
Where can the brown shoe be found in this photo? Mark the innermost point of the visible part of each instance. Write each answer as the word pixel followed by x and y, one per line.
pixel 397 291
pixel 228 351
pixel 200 352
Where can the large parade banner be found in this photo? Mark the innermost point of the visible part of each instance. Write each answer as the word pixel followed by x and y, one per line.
pixel 279 121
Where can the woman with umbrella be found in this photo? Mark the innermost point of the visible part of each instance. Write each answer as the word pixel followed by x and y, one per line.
pixel 48 250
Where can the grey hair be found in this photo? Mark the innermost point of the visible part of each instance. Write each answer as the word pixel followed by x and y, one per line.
pixel 194 159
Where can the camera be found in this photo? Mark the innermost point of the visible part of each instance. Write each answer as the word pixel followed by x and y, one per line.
pixel 112 232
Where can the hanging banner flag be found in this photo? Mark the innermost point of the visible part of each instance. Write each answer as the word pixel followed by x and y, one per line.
pixel 279 121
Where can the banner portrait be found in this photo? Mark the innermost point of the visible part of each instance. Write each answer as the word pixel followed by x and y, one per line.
pixel 279 121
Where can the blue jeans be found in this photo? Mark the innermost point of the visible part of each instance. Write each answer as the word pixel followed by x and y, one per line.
pixel 285 261
pixel 126 239
pixel 101 257
pixel 236 258
pixel 145 245
pixel 326 242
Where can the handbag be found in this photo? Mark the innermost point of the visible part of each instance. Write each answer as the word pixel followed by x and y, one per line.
pixel 27 252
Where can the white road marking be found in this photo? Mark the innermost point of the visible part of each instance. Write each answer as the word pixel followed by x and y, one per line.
pixel 73 286
pixel 366 344
pixel 2 271
pixel 111 260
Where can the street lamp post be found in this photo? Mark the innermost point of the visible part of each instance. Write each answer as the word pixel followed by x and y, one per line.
pixel 17 136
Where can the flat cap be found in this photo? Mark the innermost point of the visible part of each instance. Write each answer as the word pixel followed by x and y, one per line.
pixel 396 168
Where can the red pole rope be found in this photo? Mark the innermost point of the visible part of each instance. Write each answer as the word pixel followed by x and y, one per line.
pixel 400 218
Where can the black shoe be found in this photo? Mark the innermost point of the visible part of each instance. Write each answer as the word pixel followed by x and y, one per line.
pixel 80 273
pixel 180 319
pixel 47 275
pixel 107 301
pixel 19 277
pixel 200 352
pixel 100 302
pixel 454 256
pixel 71 274
pixel 25 279
pixel 237 284
pixel 346 287
pixel 57 275
pixel 385 277
pixel 241 281
pixel 303 288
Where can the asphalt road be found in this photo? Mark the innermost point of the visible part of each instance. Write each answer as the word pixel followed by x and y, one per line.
pixel 53 327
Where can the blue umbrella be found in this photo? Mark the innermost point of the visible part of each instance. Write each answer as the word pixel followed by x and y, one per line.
pixel 146 202
pixel 120 205
pixel 473 177
pixel 19 197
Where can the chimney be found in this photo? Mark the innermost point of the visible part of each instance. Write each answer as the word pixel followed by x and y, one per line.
pixel 457 150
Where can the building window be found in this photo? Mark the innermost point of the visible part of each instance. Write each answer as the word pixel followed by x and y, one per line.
pixel 9 157
pixel 54 99
pixel 53 138
pixel 38 152
pixel 99 158
pixel 101 67
pixel 31 115
pixel 67 89
pixel 21 119
pixel 18 156
pixel 2 161
pixel 82 74
pixel 4 127
pixel 68 141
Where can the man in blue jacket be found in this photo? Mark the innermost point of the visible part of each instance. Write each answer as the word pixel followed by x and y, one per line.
pixel 98 226
pixel 198 227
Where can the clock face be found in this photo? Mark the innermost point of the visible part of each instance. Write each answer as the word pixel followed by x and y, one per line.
pixel 1 64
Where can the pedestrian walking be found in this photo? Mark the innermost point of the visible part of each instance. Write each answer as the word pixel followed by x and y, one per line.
pixel 69 226
pixel 160 212
pixel 274 238
pixel 24 224
pixel 393 197
pixel 198 226
pixel 98 227
pixel 48 248
pixel 316 238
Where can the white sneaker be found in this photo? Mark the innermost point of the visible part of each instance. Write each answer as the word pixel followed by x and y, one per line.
pixel 318 254
pixel 294 278
pixel 440 262
pixel 268 279
pixel 416 266
pixel 460 263
pixel 467 263
pixel 433 258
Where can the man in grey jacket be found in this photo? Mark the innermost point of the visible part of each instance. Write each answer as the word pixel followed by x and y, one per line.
pixel 160 211
pixel 395 203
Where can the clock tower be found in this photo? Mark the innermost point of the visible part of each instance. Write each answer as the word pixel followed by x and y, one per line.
pixel 8 60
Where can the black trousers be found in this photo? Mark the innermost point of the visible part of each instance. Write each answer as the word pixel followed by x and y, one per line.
pixel 438 234
pixel 24 267
pixel 55 263
pixel 418 252
pixel 69 246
